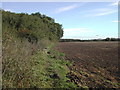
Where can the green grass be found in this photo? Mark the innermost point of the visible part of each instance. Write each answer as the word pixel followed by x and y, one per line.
pixel 45 69
pixel 62 54
pixel 22 69
pixel 85 87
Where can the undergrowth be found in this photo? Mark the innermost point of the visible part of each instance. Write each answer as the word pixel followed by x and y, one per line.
pixel 50 72
pixel 24 66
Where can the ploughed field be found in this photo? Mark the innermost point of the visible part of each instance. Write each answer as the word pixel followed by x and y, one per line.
pixel 95 64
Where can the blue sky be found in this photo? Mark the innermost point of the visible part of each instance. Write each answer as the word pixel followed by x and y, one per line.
pixel 80 20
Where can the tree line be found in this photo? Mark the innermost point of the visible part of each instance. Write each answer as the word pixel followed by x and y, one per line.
pixel 79 40
pixel 33 27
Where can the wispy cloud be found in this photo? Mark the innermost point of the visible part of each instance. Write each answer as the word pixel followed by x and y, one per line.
pixel 67 8
pixel 76 31
pixel 9 10
pixel 101 12
pixel 116 21
pixel 113 4
pixel 80 30
pixel 105 13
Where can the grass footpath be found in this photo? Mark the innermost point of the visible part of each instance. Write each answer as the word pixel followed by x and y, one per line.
pixel 50 70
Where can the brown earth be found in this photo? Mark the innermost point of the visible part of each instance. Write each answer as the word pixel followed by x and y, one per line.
pixel 95 64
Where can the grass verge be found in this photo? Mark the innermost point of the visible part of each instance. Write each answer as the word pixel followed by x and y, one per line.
pixel 50 71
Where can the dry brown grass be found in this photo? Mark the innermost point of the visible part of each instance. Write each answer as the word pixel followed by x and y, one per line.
pixel 16 62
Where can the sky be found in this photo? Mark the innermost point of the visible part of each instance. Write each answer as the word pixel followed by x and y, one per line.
pixel 80 20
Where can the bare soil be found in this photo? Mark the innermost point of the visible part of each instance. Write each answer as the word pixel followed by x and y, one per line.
pixel 95 64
